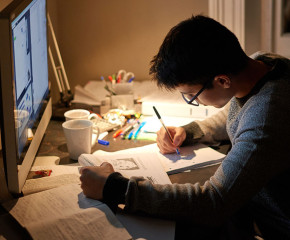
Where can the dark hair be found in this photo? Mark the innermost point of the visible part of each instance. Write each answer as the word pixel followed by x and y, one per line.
pixel 195 51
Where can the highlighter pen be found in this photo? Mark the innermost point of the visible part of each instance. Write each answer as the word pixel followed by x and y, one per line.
pixel 168 133
pixel 138 130
pixel 117 133
pixel 103 142
pixel 128 129
pixel 131 134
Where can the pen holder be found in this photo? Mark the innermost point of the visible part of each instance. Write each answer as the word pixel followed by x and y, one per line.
pixel 123 88
pixel 123 102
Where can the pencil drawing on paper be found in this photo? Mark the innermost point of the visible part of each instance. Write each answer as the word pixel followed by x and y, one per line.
pixel 125 164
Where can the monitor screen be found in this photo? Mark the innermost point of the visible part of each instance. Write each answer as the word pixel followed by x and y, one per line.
pixel 25 103
pixel 30 67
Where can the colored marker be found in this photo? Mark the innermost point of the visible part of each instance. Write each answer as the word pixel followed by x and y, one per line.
pixel 131 134
pixel 119 79
pixel 131 79
pixel 168 133
pixel 103 142
pixel 138 130
pixel 128 129
pixel 117 133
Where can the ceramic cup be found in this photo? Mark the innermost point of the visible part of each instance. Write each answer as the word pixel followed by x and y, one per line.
pixel 79 114
pixel 79 135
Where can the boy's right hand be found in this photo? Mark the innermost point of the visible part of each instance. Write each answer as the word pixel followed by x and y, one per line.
pixel 164 143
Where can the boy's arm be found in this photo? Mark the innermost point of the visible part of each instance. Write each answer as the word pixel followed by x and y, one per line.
pixel 210 131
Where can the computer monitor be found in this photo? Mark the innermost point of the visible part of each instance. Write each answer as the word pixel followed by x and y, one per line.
pixel 24 96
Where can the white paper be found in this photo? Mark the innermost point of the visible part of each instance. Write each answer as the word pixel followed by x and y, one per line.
pixel 132 164
pixel 65 213
pixel 58 169
pixel 190 157
pixel 153 123
pixel 45 183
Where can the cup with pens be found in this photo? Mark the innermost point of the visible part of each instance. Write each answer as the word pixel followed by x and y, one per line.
pixel 121 90
pixel 122 83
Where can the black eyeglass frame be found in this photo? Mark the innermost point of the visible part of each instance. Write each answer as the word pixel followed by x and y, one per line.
pixel 196 95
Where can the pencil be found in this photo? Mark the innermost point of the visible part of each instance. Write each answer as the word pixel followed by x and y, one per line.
pixel 168 133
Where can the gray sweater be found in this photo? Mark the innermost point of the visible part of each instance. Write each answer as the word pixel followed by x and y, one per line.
pixel 255 172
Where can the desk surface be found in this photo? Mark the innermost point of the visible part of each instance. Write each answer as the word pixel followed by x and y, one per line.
pixel 54 144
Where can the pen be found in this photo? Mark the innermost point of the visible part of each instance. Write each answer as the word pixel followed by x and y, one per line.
pixel 117 133
pixel 128 129
pixel 131 79
pixel 109 90
pixel 131 134
pixel 103 142
pixel 168 133
pixel 138 130
pixel 119 79
pixel 103 79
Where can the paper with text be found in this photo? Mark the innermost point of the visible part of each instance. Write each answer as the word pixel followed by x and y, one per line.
pixel 60 175
pixel 65 213
pixel 134 164
pixel 191 157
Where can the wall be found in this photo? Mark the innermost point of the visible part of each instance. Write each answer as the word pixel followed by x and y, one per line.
pixel 99 37
pixel 252 26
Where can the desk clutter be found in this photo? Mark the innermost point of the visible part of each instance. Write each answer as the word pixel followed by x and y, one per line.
pixel 114 91
pixel 138 96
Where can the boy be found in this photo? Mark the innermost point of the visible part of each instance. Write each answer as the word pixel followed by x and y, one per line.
pixel 203 60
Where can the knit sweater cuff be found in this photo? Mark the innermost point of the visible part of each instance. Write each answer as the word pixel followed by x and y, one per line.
pixel 193 133
pixel 114 190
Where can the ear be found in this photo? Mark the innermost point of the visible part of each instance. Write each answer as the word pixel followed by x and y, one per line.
pixel 223 81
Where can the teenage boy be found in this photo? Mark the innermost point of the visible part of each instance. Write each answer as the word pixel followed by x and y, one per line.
pixel 249 192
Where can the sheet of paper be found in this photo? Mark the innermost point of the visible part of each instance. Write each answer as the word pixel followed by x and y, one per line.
pixel 65 213
pixel 135 164
pixel 60 175
pixel 58 169
pixel 45 183
pixel 190 157
pixel 153 124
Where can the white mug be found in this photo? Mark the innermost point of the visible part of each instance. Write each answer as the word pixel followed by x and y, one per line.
pixel 79 114
pixel 78 134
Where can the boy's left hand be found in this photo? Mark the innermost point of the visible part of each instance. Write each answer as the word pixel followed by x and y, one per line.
pixel 93 179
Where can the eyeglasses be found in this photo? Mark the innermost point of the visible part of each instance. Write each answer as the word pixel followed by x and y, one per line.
pixel 192 101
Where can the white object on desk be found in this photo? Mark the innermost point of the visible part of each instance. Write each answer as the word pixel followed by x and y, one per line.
pixel 123 102
pixel 78 134
pixel 65 213
pixel 129 164
pixel 172 104
pixel 191 157
pixel 153 124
